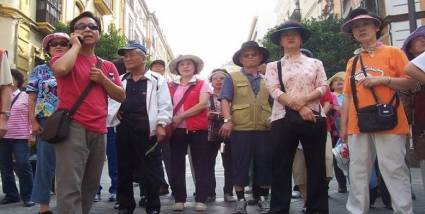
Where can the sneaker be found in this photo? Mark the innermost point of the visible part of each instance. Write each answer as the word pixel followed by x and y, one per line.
pixel 252 201
pixel 229 198
pixel 28 203
pixel 240 207
pixel 264 205
pixel 296 194
pixel 200 207
pixel 342 189
pixel 112 197
pixel 143 201
pixel 179 206
pixel 97 198
pixel 210 199
pixel 116 205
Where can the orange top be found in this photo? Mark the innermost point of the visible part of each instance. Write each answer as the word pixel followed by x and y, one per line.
pixel 386 61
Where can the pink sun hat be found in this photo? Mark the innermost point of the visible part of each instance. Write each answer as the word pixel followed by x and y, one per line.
pixel 346 27
pixel 52 36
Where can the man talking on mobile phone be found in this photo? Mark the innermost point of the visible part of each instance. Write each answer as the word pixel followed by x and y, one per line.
pixel 80 158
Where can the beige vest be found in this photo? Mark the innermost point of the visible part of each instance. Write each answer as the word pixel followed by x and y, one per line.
pixel 249 112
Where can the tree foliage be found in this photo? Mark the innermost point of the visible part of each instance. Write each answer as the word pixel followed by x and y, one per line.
pixel 327 43
pixel 108 44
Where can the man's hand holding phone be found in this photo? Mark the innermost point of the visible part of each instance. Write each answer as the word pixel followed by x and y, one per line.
pixel 76 40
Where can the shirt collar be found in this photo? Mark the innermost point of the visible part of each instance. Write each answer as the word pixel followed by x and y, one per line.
pixel 178 80
pixel 296 57
pixel 147 75
pixel 258 75
pixel 369 50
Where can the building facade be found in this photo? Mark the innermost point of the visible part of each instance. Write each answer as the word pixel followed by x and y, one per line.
pixel 26 22
pixel 142 25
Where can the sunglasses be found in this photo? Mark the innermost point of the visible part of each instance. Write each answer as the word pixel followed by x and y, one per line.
pixel 248 55
pixel 60 43
pixel 82 26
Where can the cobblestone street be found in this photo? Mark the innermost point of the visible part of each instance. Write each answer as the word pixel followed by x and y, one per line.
pixel 336 200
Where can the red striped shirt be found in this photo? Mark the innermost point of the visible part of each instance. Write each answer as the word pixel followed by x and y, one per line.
pixel 18 125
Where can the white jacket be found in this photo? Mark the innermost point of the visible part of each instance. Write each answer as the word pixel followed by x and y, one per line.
pixel 158 102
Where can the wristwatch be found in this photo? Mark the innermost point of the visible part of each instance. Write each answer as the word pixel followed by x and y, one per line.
pixel 226 120
pixel 162 125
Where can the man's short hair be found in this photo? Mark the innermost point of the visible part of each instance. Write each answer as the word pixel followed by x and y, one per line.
pixel 18 77
pixel 87 14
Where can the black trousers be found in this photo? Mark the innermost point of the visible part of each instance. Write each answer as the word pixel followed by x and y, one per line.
pixel 200 151
pixel 131 148
pixel 226 156
pixel 339 175
pixel 285 137
pixel 213 151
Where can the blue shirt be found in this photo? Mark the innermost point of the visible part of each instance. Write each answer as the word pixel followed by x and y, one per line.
pixel 43 82
pixel 227 90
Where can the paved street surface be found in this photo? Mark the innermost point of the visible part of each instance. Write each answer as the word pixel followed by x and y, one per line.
pixel 336 200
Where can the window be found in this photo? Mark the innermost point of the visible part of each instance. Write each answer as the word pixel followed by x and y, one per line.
pixel 48 11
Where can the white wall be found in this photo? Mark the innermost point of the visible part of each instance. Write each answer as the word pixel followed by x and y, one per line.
pixel 394 7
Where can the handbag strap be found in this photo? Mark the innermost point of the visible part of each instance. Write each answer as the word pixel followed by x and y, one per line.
pixel 279 73
pixel 186 93
pixel 354 89
pixel 86 91
pixel 14 99
pixel 212 103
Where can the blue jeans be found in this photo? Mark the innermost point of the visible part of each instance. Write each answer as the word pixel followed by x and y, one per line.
pixel 45 170
pixel 111 152
pixel 20 149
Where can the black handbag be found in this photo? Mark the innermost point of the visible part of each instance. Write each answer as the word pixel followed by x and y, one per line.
pixel 291 115
pixel 56 129
pixel 377 117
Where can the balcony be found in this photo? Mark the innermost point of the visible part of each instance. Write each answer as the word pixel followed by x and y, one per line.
pixel 103 6
pixel 47 15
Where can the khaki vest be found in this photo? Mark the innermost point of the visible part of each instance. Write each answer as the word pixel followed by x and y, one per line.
pixel 249 112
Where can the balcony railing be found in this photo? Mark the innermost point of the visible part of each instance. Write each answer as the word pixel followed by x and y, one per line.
pixel 47 14
pixel 103 6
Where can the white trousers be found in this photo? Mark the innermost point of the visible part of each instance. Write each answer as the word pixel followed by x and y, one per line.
pixel 390 150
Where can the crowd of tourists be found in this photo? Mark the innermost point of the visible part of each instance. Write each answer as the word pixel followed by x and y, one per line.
pixel 276 124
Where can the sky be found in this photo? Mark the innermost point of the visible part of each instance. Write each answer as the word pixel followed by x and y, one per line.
pixel 211 29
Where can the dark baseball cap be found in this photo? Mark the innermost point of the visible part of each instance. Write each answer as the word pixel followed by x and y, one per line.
pixel 131 46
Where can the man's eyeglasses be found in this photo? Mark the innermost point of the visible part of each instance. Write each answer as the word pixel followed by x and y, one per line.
pixel 248 55
pixel 60 43
pixel 82 26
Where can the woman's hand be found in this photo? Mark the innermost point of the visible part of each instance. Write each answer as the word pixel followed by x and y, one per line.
pixel 307 114
pixel 371 81
pixel 296 103
pixel 177 120
pixel 343 134
pixel 35 127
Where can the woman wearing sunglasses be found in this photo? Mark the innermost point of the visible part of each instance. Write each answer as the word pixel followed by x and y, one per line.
pixel 373 122
pixel 42 102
